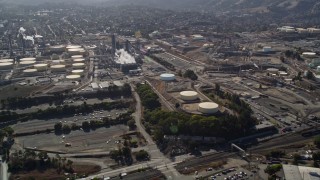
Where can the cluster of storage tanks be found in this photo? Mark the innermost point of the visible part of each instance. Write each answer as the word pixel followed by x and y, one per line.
pixel 6 64
pixel 289 29
pixel 204 107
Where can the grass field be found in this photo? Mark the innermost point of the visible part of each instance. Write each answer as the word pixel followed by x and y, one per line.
pixel 16 91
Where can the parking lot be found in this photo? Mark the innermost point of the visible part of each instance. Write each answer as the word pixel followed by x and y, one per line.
pixel 102 139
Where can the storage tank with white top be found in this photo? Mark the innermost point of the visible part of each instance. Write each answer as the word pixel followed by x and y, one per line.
pixel 78 71
pixel 188 95
pixel 73 77
pixel 6 65
pixel 41 67
pixel 208 107
pixel 167 77
pixel 78 65
pixel 58 68
pixel 26 63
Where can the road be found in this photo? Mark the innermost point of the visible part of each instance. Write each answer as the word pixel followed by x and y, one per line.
pixel 158 160
pixel 4 171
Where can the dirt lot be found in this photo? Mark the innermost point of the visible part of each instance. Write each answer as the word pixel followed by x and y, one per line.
pixel 16 91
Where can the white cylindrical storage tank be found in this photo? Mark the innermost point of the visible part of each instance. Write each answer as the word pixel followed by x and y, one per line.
pixel 6 60
pixel 273 70
pixel 6 65
pixel 78 65
pixel 75 51
pixel 309 54
pixel 76 56
pixel 28 59
pixel 40 67
pixel 78 71
pixel 313 30
pixel 59 67
pixel 60 61
pixel 188 95
pixel 78 60
pixel 73 77
pixel 208 107
pixel 167 77
pixel 26 63
pixel 30 71
pixel 318 68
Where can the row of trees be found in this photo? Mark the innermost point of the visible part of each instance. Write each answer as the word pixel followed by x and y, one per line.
pixel 58 98
pixel 66 110
pixel 163 62
pixel 176 123
pixel 29 160
pixel 149 99
pixel 93 124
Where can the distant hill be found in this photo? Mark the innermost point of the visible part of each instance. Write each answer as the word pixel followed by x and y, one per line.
pixel 302 7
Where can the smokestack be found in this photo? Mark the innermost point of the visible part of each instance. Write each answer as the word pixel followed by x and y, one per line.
pixel 127 46
pixel 113 43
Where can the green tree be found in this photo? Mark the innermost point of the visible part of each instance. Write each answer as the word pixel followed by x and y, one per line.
pixel 86 125
pixel 66 129
pixel 142 155
pixel 316 141
pixel 58 127
pixel 309 75
pixel 131 123
pixel 272 169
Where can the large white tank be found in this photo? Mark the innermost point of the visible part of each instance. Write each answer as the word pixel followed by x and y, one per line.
pixel 41 67
pixel 283 73
pixel 6 60
pixel 78 71
pixel 188 95
pixel 26 63
pixel 28 59
pixel 272 70
pixel 309 54
pixel 30 71
pixel 76 56
pixel 167 77
pixel 6 65
pixel 208 107
pixel 318 68
pixel 78 60
pixel 57 68
pixel 76 51
pixel 78 65
pixel 73 77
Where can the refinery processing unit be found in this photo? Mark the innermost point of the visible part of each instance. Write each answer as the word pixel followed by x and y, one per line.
pixel 177 90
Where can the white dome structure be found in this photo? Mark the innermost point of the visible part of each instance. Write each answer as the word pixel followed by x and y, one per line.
pixel 78 60
pixel 73 77
pixel 208 107
pixel 188 95
pixel 30 71
pixel 76 51
pixel 41 67
pixel 309 54
pixel 273 70
pixel 76 56
pixel 78 65
pixel 78 71
pixel 28 59
pixel 6 65
pixel 57 68
pixel 6 60
pixel 27 63
pixel 167 77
